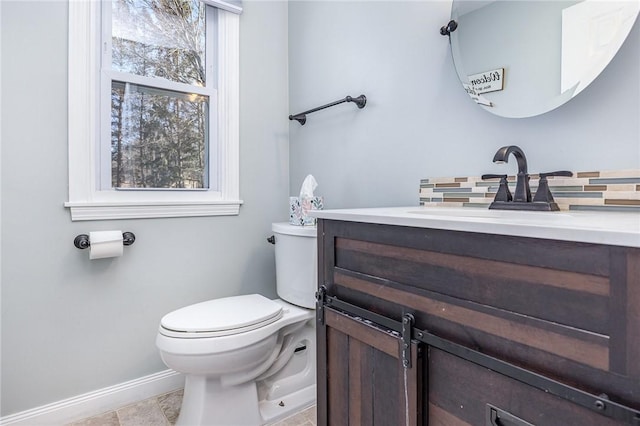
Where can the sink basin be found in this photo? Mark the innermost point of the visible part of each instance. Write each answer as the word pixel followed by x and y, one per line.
pixel 470 212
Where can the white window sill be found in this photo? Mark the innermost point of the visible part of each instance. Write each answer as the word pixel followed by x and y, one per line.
pixel 145 210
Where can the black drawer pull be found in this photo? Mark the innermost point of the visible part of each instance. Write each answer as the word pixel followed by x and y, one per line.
pixel 498 417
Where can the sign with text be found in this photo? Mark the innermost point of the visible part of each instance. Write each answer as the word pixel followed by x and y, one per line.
pixel 488 81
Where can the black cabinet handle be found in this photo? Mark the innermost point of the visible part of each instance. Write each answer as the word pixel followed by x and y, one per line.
pixel 498 417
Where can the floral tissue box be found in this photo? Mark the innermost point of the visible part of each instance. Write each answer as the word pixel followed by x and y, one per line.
pixel 298 211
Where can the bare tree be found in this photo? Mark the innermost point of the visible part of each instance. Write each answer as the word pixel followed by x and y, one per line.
pixel 163 133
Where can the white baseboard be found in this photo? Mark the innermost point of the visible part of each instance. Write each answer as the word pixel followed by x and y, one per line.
pixel 97 402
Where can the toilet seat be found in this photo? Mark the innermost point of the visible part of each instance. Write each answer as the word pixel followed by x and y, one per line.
pixel 221 317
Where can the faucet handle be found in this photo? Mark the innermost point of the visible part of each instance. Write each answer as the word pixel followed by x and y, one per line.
pixel 503 193
pixel 485 177
pixel 564 173
pixel 543 194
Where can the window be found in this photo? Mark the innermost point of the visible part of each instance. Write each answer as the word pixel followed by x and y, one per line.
pixel 153 109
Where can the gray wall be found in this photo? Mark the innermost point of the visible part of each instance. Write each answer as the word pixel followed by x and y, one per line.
pixel 419 122
pixel 70 325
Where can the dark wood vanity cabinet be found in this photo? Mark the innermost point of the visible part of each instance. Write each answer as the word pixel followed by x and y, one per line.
pixel 422 326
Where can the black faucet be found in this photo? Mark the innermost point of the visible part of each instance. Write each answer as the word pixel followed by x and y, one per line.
pixel 523 192
pixel 521 200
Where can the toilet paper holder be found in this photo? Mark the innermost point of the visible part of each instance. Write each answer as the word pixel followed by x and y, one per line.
pixel 82 240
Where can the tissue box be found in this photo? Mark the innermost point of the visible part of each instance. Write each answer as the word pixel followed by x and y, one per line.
pixel 298 210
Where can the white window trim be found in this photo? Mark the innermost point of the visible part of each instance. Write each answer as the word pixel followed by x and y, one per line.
pixel 86 201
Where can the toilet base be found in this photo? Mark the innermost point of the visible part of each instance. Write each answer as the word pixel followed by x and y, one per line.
pixel 206 400
pixel 272 411
pixel 233 405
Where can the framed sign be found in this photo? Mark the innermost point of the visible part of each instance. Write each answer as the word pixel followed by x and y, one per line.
pixel 488 81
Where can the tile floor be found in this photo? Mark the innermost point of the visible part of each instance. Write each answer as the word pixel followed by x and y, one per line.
pixel 163 410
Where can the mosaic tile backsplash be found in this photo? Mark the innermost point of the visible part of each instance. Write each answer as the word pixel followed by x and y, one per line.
pixel 617 190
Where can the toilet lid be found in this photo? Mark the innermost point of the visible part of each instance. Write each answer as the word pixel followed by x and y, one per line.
pixel 221 317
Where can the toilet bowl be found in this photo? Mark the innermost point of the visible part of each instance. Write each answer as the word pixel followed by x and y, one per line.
pixel 249 360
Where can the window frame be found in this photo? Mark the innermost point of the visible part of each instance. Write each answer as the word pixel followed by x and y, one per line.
pixel 86 200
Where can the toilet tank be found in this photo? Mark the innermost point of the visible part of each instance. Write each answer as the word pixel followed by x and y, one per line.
pixel 296 263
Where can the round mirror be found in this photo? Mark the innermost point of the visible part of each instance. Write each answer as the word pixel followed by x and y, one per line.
pixel 526 57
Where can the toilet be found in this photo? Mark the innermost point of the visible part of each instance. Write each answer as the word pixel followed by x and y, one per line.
pixel 249 360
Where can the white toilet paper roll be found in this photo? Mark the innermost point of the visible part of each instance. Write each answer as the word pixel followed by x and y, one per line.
pixel 105 244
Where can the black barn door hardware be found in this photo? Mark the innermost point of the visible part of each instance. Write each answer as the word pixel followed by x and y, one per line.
pixel 407 324
pixel 301 117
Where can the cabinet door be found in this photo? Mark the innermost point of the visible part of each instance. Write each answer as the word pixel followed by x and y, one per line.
pixel 361 377
pixel 462 393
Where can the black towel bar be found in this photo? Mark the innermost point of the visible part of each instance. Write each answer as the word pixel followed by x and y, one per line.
pixel 301 117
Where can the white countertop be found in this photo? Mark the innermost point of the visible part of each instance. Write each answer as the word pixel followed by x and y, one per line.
pixel 621 229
